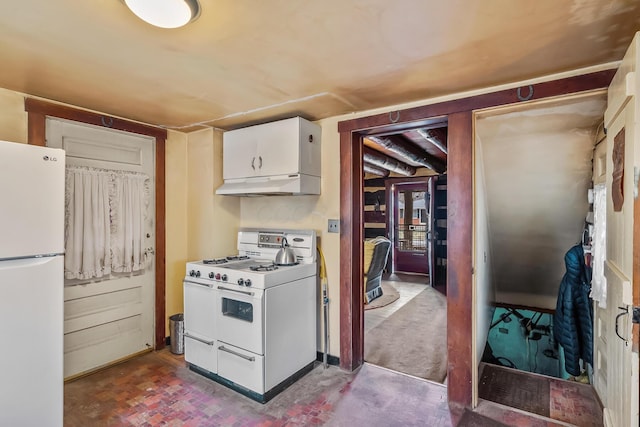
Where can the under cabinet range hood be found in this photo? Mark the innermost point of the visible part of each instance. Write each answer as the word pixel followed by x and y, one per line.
pixel 271 186
pixel 276 158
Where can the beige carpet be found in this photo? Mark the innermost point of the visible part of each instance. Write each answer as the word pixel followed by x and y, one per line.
pixel 413 340
pixel 389 295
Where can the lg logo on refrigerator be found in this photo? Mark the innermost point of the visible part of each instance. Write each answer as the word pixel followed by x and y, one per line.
pixel 50 159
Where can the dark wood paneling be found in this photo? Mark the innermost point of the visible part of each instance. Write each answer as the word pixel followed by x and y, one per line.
pixel 351 295
pixel 161 244
pixel 375 216
pixel 373 197
pixel 36 124
pixel 372 233
pixel 375 182
pixel 36 129
pixel 585 82
pixel 459 259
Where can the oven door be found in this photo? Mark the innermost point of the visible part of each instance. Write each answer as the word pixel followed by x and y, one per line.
pixel 240 318
pixel 200 309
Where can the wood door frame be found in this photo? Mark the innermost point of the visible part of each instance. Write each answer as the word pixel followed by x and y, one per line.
pixel 37 112
pixel 460 115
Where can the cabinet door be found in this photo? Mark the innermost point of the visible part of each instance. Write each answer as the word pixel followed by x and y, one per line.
pixel 278 149
pixel 240 158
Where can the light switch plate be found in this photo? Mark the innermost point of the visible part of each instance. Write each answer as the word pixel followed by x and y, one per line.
pixel 334 226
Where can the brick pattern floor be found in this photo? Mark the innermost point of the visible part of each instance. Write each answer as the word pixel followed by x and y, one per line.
pixel 157 389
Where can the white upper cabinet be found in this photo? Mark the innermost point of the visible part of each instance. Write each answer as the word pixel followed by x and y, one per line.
pixel 285 147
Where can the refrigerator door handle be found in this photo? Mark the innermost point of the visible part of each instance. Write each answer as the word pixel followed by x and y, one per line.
pixel 22 262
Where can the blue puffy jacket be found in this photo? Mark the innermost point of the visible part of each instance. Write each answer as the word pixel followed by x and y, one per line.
pixel 573 320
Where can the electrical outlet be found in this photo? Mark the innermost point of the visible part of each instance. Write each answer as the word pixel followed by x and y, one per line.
pixel 334 226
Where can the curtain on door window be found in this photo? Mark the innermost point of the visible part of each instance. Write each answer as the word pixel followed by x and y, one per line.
pixel 128 208
pixel 87 224
pixel 105 219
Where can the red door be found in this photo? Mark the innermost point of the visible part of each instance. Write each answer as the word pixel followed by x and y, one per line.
pixel 410 226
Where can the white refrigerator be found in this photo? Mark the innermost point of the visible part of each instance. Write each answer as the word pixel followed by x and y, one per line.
pixel 31 285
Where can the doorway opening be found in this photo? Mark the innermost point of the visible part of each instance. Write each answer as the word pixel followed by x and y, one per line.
pixel 39 111
pixel 404 233
pixel 534 173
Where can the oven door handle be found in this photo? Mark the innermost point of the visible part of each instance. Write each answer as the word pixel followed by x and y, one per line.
pixel 234 290
pixel 235 353
pixel 188 335
pixel 206 285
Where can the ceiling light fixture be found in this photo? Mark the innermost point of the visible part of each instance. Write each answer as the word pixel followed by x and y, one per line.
pixel 165 13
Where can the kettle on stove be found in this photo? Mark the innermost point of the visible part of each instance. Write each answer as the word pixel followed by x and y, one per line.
pixel 285 255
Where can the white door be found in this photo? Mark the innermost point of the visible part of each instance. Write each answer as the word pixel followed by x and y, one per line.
pixel 616 365
pixel 110 318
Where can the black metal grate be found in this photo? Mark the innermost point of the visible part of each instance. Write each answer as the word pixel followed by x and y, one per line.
pixel 412 238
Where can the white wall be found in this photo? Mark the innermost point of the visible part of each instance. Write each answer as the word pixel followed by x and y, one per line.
pixel 176 220
pixel 484 288
pixel 13 118
pixel 537 164
pixel 212 221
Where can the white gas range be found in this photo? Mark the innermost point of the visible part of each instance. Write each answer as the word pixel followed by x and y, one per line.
pixel 251 324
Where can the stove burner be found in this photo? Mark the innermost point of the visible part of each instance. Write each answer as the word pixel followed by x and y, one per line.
pixel 236 257
pixel 214 261
pixel 264 267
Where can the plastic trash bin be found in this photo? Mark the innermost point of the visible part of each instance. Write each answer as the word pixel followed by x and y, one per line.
pixel 176 333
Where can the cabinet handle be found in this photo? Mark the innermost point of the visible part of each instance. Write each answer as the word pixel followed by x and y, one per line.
pixel 249 358
pixel 253 161
pixel 260 165
pixel 187 335
pixel 206 285
pixel 233 290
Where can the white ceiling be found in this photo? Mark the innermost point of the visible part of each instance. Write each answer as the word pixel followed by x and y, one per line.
pixel 244 61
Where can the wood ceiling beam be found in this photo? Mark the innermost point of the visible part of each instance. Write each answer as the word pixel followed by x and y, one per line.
pixel 400 146
pixel 435 137
pixel 383 161
pixel 375 170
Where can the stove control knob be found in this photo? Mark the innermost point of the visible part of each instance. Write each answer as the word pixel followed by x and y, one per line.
pixel 217 276
pixel 247 282
pixel 192 273
pixel 241 281
pixel 211 275
pixel 198 273
pixel 224 277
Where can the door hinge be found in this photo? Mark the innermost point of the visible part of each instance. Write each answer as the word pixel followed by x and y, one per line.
pixel 636 315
